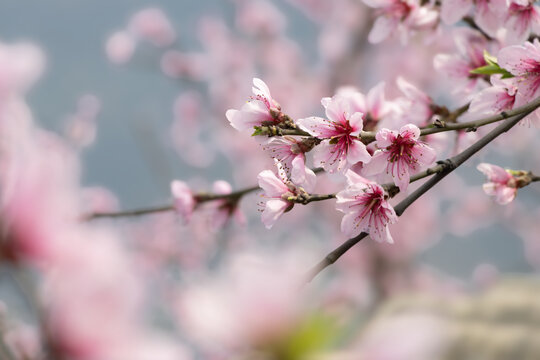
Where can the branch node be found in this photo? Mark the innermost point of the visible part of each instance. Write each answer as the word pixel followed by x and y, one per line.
pixel 447 164
pixel 438 123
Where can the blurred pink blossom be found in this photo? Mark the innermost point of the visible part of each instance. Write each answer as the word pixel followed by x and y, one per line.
pixel 152 24
pixel 488 14
pixel 260 17
pixel 184 201
pixel 21 64
pixel 120 47
pixel 501 183
pixel 400 16
pixel 522 19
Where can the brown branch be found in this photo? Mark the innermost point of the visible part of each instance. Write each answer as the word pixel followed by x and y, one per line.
pixel 199 199
pixel 442 126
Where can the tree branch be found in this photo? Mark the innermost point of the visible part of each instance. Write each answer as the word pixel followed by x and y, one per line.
pixel 369 136
pixel 446 168
pixel 199 199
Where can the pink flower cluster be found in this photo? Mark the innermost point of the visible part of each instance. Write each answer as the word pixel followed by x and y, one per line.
pixel 338 147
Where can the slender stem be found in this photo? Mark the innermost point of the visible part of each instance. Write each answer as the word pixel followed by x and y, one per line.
pixel 200 198
pixel 306 199
pixel 535 178
pixel 447 167
pixel 369 136
pixel 136 212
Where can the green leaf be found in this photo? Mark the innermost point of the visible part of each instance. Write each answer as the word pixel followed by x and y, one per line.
pixel 257 132
pixel 490 59
pixel 492 70
pixel 487 70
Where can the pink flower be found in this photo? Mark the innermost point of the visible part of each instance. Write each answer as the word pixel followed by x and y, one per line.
pixel 184 201
pixel 153 25
pixel 373 106
pixel 471 46
pixel 488 14
pixel 500 97
pixel 501 183
pixel 341 146
pixel 523 61
pixel 522 18
pixel 222 210
pixel 289 154
pixel 277 191
pixel 416 107
pixel 401 154
pixel 366 209
pixel 120 47
pixel 260 109
pixel 403 16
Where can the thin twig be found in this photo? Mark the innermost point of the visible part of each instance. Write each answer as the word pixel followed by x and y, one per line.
pixel 470 21
pixel 448 166
pixel 199 198
pixel 369 136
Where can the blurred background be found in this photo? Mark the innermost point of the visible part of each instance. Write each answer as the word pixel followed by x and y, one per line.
pixel 142 111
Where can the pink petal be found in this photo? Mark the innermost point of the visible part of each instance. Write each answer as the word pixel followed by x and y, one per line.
pixel 410 131
pixel 316 126
pixel 382 28
pixel 424 154
pixel 451 65
pixel 337 110
pixel 261 89
pixel 376 101
pixel 298 171
pixel 494 173
pixel 253 113
pixel 377 165
pixel 355 179
pixel 400 173
pixel 311 180
pixel 505 195
pixel 385 138
pixel 357 152
pixel 271 184
pixel 489 15
pixel 273 209
pixel 325 156
pixel 349 226
pixel 453 11
pixel 411 91
pixel 356 121
pixel 222 187
pixel 519 59
pixel 381 234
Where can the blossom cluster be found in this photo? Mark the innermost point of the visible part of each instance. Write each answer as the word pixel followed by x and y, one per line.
pixel 338 148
